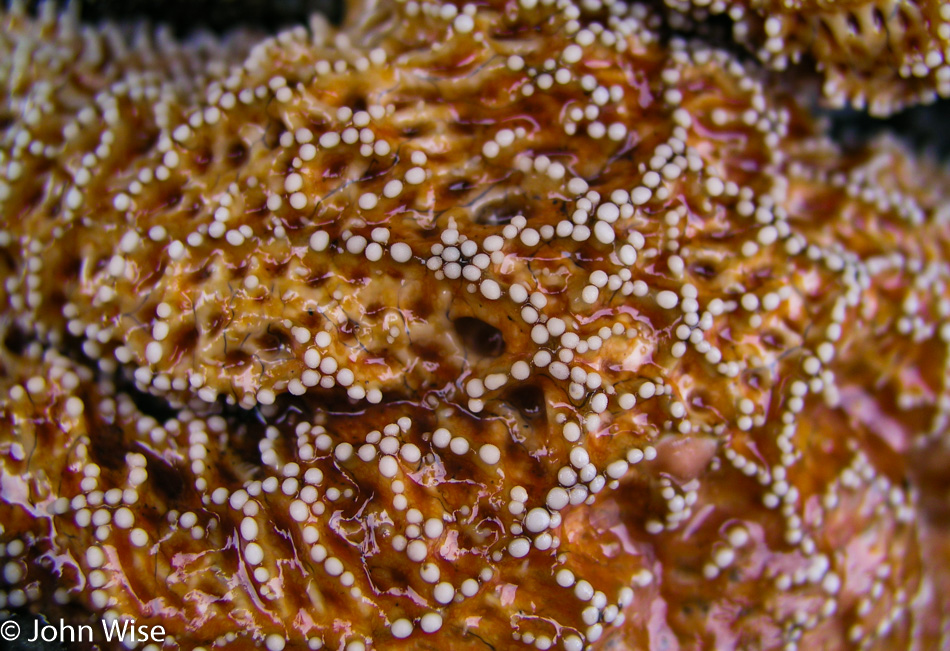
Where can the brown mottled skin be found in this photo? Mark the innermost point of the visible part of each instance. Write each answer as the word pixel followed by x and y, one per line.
pixel 880 56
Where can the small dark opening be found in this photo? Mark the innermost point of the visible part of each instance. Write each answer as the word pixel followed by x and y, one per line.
pixel 878 17
pixel 853 26
pixel 202 158
pixel 528 399
pixel 703 269
pixel 157 408
pixel 237 154
pixel 143 140
pixel 500 211
pixel 202 274
pixel 165 479
pixel 236 358
pixel 463 185
pixel 184 343
pixel 108 446
pixel 172 198
pixel 272 134
pixel 16 340
pixel 479 337
pixel 214 324
pixel 274 339
pixel 356 102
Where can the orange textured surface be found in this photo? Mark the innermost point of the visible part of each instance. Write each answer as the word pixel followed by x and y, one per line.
pixel 880 56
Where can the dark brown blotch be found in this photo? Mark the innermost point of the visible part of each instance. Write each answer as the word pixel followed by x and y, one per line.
pixel 478 337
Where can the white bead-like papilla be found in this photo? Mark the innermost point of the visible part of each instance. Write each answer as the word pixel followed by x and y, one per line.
pixel 519 547
pixel 537 520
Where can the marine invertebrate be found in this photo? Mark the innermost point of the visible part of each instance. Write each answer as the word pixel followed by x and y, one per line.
pixel 879 56
pixel 553 334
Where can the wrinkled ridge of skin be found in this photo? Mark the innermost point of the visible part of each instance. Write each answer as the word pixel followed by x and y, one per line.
pixel 512 325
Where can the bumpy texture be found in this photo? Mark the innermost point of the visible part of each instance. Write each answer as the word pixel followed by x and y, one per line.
pixel 511 326
pixel 879 55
